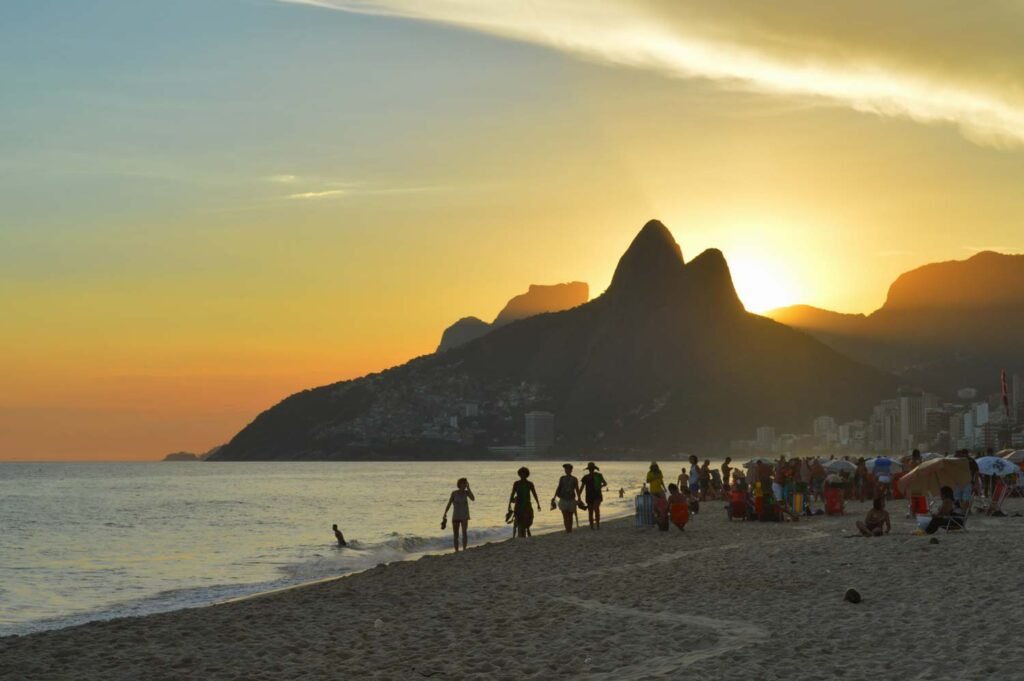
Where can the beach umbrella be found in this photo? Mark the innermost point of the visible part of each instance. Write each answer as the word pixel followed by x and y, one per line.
pixel 1016 457
pixel 840 466
pixel 928 456
pixel 882 463
pixel 756 460
pixel 993 465
pixel 932 475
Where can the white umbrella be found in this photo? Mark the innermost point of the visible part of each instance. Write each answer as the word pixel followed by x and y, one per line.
pixel 840 466
pixel 882 462
pixel 993 465
pixel 1016 457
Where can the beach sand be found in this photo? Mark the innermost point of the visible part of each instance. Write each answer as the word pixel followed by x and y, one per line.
pixel 720 601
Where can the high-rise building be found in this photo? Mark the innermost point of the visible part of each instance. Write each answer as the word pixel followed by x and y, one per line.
pixel 765 438
pixel 935 421
pixel 884 426
pixel 911 432
pixel 824 428
pixel 540 430
pixel 966 393
pixel 956 430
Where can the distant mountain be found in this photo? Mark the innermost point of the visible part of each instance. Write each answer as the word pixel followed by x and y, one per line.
pixel 537 300
pixel 944 326
pixel 667 359
pixel 182 456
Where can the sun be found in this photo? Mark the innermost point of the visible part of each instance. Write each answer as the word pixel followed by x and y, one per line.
pixel 762 285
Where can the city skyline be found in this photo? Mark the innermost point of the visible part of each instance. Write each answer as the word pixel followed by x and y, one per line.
pixel 209 207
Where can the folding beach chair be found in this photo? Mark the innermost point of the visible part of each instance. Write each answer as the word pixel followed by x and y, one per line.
pixel 999 494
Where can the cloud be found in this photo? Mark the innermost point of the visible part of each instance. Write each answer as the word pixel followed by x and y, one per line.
pixel 318 195
pixel 283 179
pixel 930 61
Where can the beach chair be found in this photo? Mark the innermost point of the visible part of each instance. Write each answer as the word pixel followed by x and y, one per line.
pixel 644 505
pixel 999 494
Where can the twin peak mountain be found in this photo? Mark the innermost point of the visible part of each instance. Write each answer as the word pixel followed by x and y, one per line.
pixel 665 360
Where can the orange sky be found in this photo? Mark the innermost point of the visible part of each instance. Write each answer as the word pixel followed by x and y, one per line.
pixel 183 246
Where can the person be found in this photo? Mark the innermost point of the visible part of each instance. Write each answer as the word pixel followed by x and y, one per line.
pixel 705 479
pixel 459 500
pixel 678 507
pixel 567 494
pixel 661 512
pixel 522 489
pixel 860 476
pixel 947 509
pixel 656 480
pixel 339 536
pixel 779 481
pixel 876 522
pixel 592 483
pixel 622 492
pixel 817 480
pixel 693 479
pixel 726 470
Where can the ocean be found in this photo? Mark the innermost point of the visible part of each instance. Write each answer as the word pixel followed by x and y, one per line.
pixel 88 541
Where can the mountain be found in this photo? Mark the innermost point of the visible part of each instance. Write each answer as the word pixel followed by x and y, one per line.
pixel 537 300
pixel 665 360
pixel 181 456
pixel 944 326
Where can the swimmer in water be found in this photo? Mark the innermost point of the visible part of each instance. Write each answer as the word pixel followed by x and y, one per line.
pixel 339 536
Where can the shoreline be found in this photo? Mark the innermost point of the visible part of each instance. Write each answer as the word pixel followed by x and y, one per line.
pixel 621 603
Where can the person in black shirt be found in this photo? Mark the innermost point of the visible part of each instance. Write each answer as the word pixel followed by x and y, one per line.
pixel 593 482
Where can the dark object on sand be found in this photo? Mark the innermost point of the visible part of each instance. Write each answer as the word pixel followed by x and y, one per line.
pixel 934 540
pixel 852 595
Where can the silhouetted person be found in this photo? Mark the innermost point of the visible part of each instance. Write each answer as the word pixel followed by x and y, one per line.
pixel 339 536
pixel 459 500
pixel 522 489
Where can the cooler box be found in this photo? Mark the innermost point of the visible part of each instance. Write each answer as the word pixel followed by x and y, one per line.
pixel 833 501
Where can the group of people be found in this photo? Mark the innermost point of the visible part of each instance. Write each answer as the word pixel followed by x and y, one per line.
pixel 775 490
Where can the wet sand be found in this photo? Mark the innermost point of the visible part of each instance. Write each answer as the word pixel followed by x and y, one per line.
pixel 724 600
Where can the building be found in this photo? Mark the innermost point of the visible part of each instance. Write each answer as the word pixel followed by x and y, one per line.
pixel 966 393
pixel 1017 398
pixel 824 428
pixel 765 438
pixel 540 431
pixel 883 427
pixel 911 428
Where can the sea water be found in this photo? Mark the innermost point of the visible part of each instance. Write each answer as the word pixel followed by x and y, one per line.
pixel 88 541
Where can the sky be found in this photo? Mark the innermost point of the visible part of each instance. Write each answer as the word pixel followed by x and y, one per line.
pixel 207 205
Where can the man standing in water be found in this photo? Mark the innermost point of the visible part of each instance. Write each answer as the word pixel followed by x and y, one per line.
pixel 592 484
pixel 459 499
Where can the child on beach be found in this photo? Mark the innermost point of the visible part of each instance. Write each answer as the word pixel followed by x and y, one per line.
pixel 678 507
pixel 459 499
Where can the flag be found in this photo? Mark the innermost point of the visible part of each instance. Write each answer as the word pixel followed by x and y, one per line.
pixel 1006 393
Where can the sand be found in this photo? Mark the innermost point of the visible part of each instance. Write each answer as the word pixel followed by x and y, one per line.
pixel 720 601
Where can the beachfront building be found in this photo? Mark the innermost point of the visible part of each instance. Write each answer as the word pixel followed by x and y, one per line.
pixel 765 438
pixel 825 430
pixel 911 406
pixel 540 431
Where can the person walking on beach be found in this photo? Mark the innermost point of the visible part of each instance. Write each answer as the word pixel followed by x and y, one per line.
pixel 339 536
pixel 567 494
pixel 522 489
pixel 705 479
pixel 459 501
pixel 592 483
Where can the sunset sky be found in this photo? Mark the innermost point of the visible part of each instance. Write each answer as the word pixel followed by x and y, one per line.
pixel 208 205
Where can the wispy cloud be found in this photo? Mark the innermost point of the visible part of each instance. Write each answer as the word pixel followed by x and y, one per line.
pixel 698 41
pixel 329 193
pixel 997 249
pixel 283 179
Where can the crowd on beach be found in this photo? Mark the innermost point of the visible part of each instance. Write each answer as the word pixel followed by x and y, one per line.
pixel 762 489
